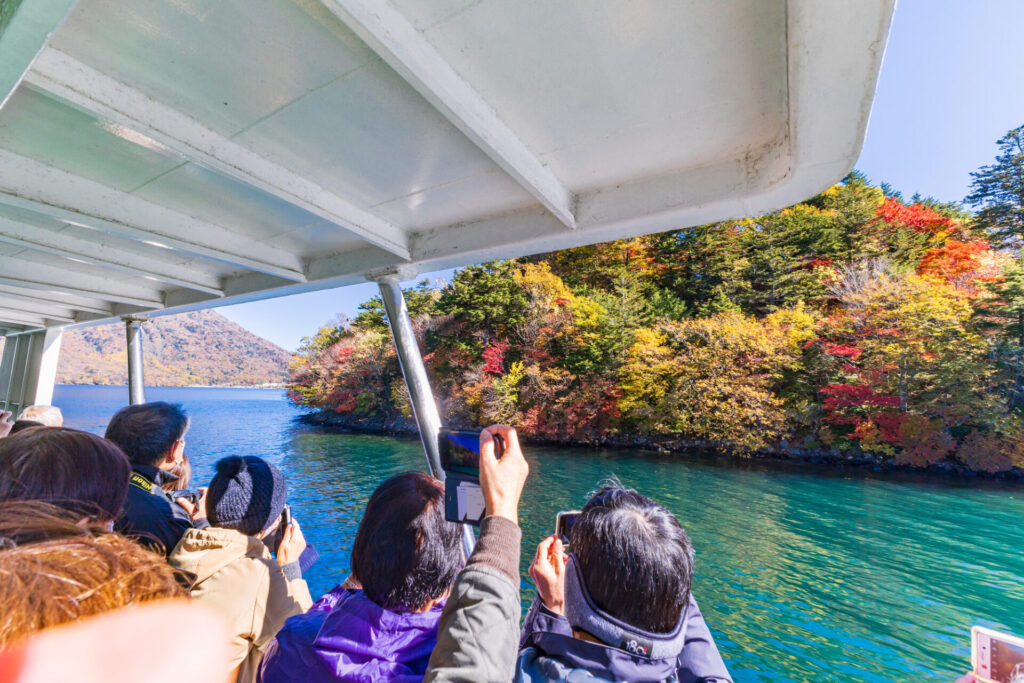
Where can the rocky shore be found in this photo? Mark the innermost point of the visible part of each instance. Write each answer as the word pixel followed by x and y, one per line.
pixel 832 458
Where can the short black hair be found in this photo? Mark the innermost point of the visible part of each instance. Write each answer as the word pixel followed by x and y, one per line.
pixel 74 470
pixel 145 432
pixel 406 553
pixel 20 425
pixel 636 559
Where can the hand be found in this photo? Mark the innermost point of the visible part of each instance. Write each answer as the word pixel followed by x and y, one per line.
pixel 292 544
pixel 548 573
pixel 200 507
pixel 187 504
pixel 968 678
pixel 6 423
pixel 502 479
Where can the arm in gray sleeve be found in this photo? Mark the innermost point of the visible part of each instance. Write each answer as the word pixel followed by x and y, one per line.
pixel 700 661
pixel 478 637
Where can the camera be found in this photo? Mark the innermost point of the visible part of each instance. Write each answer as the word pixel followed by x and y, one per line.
pixel 191 495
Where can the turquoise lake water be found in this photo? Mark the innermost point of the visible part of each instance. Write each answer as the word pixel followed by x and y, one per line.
pixel 803 575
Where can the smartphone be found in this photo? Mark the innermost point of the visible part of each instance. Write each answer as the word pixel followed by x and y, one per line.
pixel 286 516
pixel 564 522
pixel 460 451
pixel 997 657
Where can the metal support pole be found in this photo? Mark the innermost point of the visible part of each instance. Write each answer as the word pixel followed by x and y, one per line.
pixel 136 379
pixel 424 408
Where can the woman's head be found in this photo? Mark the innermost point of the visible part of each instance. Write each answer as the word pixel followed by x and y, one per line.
pixel 246 494
pixel 68 572
pixel 183 471
pixel 80 472
pixel 405 554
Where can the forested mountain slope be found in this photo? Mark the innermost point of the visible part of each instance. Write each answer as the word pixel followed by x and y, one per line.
pixel 196 348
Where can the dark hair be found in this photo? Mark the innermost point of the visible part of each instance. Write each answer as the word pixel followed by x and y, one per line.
pixel 146 432
pixel 405 553
pixel 636 559
pixel 75 470
pixel 20 425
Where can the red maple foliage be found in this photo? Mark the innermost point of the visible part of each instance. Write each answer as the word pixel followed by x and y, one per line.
pixel 915 216
pixel 959 263
pixel 494 357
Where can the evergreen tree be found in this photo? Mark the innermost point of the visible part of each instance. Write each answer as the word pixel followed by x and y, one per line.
pixel 999 190
pixel 1003 313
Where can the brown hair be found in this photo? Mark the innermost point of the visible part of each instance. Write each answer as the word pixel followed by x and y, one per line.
pixel 73 573
pixel 75 470
pixel 183 471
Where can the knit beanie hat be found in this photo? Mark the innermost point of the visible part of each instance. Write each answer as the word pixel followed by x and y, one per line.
pixel 247 494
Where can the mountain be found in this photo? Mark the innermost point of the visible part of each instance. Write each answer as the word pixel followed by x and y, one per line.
pixel 199 347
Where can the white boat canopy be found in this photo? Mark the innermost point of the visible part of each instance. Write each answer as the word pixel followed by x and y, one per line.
pixel 166 155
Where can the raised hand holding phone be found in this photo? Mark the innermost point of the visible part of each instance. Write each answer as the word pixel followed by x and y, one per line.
pixel 548 573
pixel 6 423
pixel 502 479
pixel 292 544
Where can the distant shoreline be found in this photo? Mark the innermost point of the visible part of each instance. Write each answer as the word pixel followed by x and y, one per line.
pixel 866 463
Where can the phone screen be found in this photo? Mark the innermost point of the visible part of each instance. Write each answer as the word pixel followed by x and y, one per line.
pixel 998 657
pixel 564 523
pixel 460 451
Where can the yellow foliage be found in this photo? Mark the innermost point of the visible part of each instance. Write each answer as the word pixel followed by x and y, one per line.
pixel 712 378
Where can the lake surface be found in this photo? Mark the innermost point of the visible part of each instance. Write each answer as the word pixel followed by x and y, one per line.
pixel 802 575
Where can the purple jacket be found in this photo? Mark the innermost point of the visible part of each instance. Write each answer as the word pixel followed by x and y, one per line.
pixel 345 636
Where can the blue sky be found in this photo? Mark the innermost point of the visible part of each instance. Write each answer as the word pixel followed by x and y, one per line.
pixel 952 83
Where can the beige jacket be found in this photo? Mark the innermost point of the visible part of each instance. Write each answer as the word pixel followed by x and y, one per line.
pixel 237 577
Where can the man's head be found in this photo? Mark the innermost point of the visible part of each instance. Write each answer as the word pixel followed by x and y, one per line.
pixel 150 433
pixel 77 471
pixel 405 554
pixel 45 415
pixel 635 558
pixel 247 494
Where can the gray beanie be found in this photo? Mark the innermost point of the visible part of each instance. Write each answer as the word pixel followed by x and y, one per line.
pixel 247 494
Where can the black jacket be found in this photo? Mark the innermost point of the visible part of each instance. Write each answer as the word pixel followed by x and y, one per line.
pixel 150 515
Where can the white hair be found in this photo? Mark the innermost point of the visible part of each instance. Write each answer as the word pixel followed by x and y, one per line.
pixel 47 415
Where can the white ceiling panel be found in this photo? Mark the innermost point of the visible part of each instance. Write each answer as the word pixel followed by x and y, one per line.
pixel 34 125
pixel 370 137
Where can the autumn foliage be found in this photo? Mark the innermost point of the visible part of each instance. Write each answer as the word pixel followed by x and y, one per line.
pixel 853 322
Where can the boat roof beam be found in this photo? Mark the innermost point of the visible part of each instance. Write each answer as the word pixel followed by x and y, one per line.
pixel 30 28
pixel 390 34
pixel 52 311
pixel 76 249
pixel 62 76
pixel 29 184
pixel 23 318
pixel 43 320
pixel 32 297
pixel 32 275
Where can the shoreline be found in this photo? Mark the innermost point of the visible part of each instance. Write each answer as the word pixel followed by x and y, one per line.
pixel 827 460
